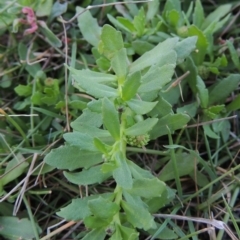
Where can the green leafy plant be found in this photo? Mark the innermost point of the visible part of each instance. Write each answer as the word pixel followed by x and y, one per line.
pixel 122 112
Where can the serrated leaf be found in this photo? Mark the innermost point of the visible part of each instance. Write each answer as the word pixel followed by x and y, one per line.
pixel 141 127
pixel 189 109
pixel 119 64
pixel 138 216
pixel 111 41
pixel 122 174
pixel 111 118
pixel 103 208
pixel 173 121
pixel 156 78
pixel 147 188
pixel 71 157
pixel 88 27
pixel 88 176
pixel 186 163
pixel 131 86
pixel 82 140
pixel 96 234
pixel 223 88
pixel 141 107
pixel 154 56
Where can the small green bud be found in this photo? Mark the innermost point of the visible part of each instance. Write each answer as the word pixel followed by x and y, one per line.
pixel 203 71
pixel 182 31
pixel 138 141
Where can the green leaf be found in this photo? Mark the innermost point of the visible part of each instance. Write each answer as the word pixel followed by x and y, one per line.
pixel 234 105
pixel 51 38
pixel 185 47
pixel 223 88
pixel 172 121
pixel 88 26
pixel 119 64
pixel 96 222
pixel 198 14
pixel 78 208
pixel 141 107
pixel 82 140
pixel 93 88
pixel 189 109
pixel 127 24
pixel 44 8
pixel 234 54
pixel 140 46
pixel 23 228
pixel 103 148
pixel 111 41
pixel 96 234
pixel 173 18
pixel 58 9
pixel 71 157
pixel 127 233
pixel 209 132
pixel 131 86
pixel 216 15
pixel 201 45
pixel 96 77
pixel 92 119
pixel 103 208
pixel 154 56
pixel 186 163
pixel 111 118
pixel 202 92
pixel 22 52
pixel 138 216
pixel 152 9
pixel 23 90
pixel 88 176
pixel 15 168
pixel 192 76
pixel 165 234
pixel 147 188
pixel 156 78
pixel 122 174
pixel 138 172
pixel 141 127
pixel 162 108
pixel 139 22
